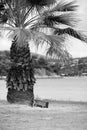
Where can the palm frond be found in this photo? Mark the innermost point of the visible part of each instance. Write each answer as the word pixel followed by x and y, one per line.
pixel 22 36
pixel 54 51
pixel 7 28
pixel 3 19
pixel 17 10
pixel 64 6
pixel 66 19
pixel 6 14
pixel 3 16
pixel 1 7
pixel 72 33
pixel 38 24
pixel 51 40
pixel 41 2
pixel 16 3
pixel 59 53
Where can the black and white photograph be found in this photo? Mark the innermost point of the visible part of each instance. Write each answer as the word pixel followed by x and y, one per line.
pixel 43 64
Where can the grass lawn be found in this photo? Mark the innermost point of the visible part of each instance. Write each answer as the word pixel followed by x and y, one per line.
pixel 68 111
pixel 22 117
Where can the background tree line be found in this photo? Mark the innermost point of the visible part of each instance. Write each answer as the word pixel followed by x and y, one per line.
pixel 38 63
pixel 41 64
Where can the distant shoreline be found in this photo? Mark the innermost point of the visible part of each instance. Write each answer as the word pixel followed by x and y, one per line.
pixel 51 101
pixel 56 89
pixel 46 77
pixel 37 77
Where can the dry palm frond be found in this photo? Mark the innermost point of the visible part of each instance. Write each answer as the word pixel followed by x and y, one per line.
pixel 72 33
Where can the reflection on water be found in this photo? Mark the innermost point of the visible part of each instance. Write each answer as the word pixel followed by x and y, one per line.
pixel 72 89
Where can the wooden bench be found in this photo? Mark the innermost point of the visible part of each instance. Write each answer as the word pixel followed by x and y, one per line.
pixel 40 103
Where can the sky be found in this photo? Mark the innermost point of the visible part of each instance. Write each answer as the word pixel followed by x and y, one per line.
pixel 75 47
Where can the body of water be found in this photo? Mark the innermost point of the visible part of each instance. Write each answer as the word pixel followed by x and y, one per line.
pixel 62 89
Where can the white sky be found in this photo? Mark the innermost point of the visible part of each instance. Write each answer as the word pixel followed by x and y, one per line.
pixel 75 47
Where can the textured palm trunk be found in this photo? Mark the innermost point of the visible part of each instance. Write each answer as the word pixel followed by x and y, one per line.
pixel 20 78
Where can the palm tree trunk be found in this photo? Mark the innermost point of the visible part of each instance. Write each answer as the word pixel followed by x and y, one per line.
pixel 20 78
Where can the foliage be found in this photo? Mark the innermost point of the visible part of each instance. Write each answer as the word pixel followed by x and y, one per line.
pixel 38 63
pixel 47 22
pixel 30 19
pixel 42 63
pixel 56 68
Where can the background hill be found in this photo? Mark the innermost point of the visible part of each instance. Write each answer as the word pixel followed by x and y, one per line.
pixel 47 66
pixel 42 65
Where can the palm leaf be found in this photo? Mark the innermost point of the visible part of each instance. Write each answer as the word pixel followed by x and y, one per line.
pixel 1 7
pixel 3 16
pixel 41 2
pixel 7 28
pixel 64 6
pixel 3 19
pixel 66 19
pixel 59 53
pixel 50 40
pixel 7 15
pixel 18 11
pixel 54 51
pixel 16 3
pixel 72 33
pixel 21 35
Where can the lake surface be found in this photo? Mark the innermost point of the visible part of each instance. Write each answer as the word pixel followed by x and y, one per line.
pixel 62 89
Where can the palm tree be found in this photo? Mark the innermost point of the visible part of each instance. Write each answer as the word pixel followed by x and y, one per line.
pixel 43 21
